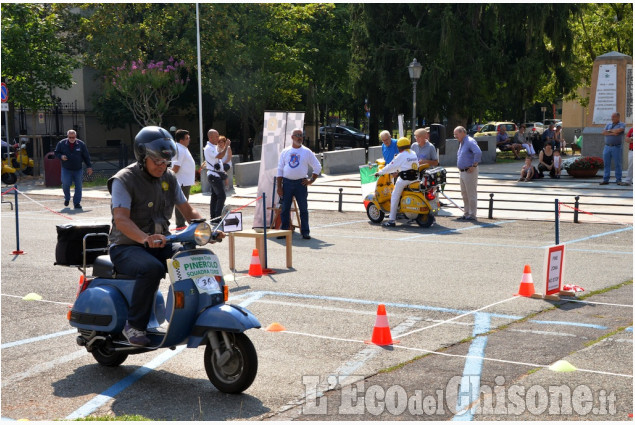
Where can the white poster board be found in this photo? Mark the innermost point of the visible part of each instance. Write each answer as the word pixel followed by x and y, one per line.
pixel 554 268
pixel 605 94
pixel 276 135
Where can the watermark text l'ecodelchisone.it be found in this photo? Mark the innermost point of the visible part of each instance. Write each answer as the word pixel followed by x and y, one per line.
pixel 459 396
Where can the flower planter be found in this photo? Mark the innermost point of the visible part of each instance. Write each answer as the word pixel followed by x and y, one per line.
pixel 583 173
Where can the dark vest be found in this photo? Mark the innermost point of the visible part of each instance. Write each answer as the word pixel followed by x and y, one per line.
pixel 152 201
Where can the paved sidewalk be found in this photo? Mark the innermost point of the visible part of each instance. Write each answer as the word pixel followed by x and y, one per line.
pixel 533 200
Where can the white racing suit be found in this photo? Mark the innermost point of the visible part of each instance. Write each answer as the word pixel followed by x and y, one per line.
pixel 405 160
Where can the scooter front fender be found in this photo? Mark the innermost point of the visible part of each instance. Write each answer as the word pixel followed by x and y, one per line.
pixel 222 317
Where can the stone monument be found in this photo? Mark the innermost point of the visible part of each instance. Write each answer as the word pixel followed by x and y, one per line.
pixel 611 91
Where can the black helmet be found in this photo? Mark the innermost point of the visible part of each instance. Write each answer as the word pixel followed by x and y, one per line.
pixel 154 141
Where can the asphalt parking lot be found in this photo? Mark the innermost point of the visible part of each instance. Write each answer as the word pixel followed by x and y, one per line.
pixel 448 291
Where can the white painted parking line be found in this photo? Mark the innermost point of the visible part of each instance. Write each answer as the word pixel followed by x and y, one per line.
pixel 37 339
pixel 111 392
pixel 346 370
pixel 43 367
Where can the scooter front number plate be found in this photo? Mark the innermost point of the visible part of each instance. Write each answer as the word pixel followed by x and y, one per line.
pixel 203 269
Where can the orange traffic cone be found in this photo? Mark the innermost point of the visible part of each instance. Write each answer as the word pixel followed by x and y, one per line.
pixel 255 269
pixel 527 285
pixel 381 331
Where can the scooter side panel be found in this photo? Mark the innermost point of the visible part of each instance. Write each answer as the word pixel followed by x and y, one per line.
pixel 100 308
pixel 181 320
pixel 222 317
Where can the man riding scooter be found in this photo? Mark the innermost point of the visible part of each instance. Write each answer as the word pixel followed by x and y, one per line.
pixel 406 163
pixel 143 198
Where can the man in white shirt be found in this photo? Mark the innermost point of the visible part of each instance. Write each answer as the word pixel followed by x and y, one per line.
pixel 292 180
pixel 184 167
pixel 215 174
pixel 405 160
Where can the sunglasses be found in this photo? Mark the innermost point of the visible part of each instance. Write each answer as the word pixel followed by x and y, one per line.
pixel 298 135
pixel 159 161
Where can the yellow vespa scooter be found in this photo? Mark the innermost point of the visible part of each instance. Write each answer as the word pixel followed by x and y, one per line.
pixel 418 201
pixel 9 172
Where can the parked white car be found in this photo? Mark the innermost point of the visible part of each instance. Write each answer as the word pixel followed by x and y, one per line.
pixel 534 127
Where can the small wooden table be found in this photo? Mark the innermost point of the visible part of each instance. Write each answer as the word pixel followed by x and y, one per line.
pixel 260 243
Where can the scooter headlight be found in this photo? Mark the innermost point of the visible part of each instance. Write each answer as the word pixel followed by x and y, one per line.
pixel 202 233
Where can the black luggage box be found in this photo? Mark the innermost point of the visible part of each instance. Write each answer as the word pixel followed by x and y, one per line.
pixel 70 245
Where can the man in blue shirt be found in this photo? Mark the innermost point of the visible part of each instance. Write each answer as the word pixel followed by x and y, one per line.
pixel 389 148
pixel 73 152
pixel 467 159
pixel 613 138
pixel 549 136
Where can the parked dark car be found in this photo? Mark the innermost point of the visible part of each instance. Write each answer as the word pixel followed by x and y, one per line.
pixel 343 137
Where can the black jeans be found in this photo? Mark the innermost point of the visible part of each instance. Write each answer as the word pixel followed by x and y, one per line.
pixel 217 200
pixel 542 169
pixel 149 267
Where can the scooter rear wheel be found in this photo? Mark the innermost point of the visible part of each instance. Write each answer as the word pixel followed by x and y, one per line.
pixel 237 373
pixel 108 357
pixel 9 178
pixel 374 214
pixel 425 220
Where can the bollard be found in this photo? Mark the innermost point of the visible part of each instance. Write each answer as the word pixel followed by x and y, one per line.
pixel 339 205
pixel 491 206
pixel 557 223
pixel 264 225
pixel 17 224
pixel 575 211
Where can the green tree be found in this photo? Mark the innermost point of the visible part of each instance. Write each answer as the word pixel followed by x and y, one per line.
pixel 35 58
pixel 478 59
pixel 147 90
pixel 111 34
pixel 599 28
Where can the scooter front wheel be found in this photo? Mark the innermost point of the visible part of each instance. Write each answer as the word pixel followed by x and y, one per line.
pixel 374 214
pixel 238 372
pixel 9 178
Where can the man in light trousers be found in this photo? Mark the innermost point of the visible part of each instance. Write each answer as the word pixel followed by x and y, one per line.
pixel 468 157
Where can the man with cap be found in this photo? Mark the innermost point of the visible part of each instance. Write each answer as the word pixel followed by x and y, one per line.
pixel 405 160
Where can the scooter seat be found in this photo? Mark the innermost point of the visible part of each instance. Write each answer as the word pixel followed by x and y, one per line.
pixel 103 267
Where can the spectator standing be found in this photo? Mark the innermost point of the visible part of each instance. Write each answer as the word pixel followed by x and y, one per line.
pixel 73 153
pixel 629 140
pixel 521 139
pixel 425 151
pixel 467 159
pixel 227 159
pixel 215 174
pixel 613 137
pixel 184 167
pixel 559 142
pixel 389 148
pixel 503 142
pixel 292 180
pixel 545 161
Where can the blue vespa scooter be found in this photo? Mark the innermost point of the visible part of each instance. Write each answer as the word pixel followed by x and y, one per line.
pixel 195 312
